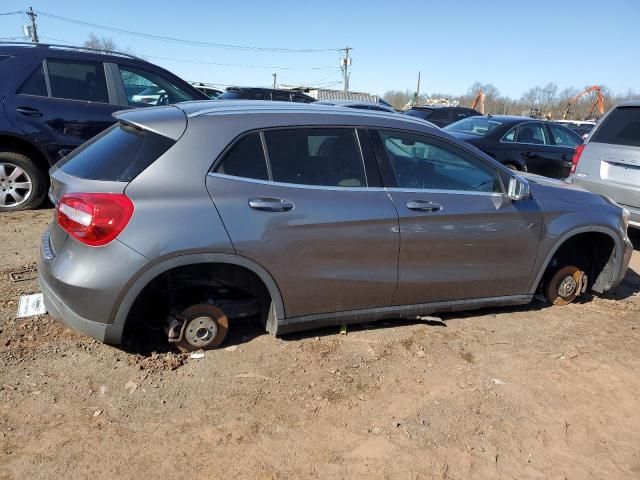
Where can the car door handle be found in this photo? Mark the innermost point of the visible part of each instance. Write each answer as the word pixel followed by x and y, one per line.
pixel 29 112
pixel 424 206
pixel 563 156
pixel 527 155
pixel 270 204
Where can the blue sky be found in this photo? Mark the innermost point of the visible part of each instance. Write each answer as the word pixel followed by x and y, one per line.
pixel 514 45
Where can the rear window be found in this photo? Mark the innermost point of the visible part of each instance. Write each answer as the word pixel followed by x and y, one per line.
pixel 419 113
pixel 118 154
pixel 620 127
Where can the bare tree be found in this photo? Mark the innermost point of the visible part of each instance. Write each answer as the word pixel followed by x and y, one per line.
pixel 399 99
pixel 104 44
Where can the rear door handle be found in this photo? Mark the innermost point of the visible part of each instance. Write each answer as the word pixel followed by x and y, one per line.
pixel 424 206
pixel 29 112
pixel 527 155
pixel 270 204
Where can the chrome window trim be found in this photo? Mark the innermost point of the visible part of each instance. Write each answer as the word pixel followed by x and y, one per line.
pixel 265 152
pixel 354 189
pixel 441 191
pixel 364 165
pixel 294 185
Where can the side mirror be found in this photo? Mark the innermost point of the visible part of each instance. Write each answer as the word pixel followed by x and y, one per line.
pixel 518 188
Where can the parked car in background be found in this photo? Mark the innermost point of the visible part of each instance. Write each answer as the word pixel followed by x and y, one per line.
pixel 581 127
pixel 258 93
pixel 210 91
pixel 305 216
pixel 609 161
pixel 441 116
pixel 521 143
pixel 57 97
pixel 377 107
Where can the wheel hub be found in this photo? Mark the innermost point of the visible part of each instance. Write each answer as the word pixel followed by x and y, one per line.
pixel 201 331
pixel 15 185
pixel 568 286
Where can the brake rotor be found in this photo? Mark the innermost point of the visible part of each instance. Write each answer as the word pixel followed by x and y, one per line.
pixel 565 285
pixel 205 326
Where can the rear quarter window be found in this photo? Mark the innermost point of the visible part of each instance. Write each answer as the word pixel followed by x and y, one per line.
pixel 620 127
pixel 118 154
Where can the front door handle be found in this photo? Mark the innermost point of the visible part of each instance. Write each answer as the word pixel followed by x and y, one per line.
pixel 270 204
pixel 29 112
pixel 424 206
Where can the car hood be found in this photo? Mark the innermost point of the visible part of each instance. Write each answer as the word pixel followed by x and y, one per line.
pixel 561 190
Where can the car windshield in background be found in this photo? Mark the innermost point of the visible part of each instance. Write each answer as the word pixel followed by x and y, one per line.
pixel 474 125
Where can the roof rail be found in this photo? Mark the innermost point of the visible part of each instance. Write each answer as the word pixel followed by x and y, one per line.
pixel 70 47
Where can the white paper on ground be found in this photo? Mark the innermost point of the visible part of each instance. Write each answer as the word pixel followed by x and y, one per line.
pixel 31 305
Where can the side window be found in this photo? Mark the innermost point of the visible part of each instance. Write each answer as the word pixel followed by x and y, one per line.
pixel 510 136
pixel 420 163
pixel 533 133
pixel 145 89
pixel 35 84
pixel 281 96
pixel 441 114
pixel 78 80
pixel 245 159
pixel 316 156
pixel 564 137
pixel 300 99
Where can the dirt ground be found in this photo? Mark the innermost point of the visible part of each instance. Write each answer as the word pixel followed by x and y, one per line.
pixel 528 392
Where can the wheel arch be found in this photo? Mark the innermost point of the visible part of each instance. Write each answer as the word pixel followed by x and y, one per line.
pixel 21 145
pixel 137 285
pixel 611 233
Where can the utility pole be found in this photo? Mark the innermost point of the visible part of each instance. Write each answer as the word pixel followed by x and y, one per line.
pixel 34 29
pixel 345 64
pixel 274 75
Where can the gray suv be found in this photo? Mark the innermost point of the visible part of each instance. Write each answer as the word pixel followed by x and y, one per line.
pixel 608 162
pixel 189 217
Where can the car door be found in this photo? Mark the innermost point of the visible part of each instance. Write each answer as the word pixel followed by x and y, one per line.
pixel 566 142
pixel 298 202
pixel 63 103
pixel 533 145
pixel 460 236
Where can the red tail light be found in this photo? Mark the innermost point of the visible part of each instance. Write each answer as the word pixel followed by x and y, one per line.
pixel 576 157
pixel 94 218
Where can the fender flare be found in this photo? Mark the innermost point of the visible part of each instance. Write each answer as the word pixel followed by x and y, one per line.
pixel 29 142
pixel 572 233
pixel 133 289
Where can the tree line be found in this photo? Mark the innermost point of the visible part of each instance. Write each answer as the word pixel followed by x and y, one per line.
pixel 546 101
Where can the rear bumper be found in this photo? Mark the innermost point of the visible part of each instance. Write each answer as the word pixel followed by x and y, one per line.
pixel 108 333
pixel 626 197
pixel 82 286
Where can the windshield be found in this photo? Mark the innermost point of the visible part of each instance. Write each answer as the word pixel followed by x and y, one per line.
pixel 474 125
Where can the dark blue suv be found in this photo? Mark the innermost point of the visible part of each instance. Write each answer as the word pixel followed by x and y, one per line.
pixel 55 97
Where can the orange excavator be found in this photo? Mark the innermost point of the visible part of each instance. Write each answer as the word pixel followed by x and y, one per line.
pixel 599 103
pixel 479 102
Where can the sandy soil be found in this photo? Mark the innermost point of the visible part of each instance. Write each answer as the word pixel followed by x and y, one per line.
pixel 532 392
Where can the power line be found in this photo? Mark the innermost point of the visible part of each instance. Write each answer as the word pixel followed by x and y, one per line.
pixel 19 12
pixel 190 42
pixel 202 62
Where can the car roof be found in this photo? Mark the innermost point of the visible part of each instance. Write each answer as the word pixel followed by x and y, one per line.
pixel 347 103
pixel 49 49
pixel 226 107
pixel 629 103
